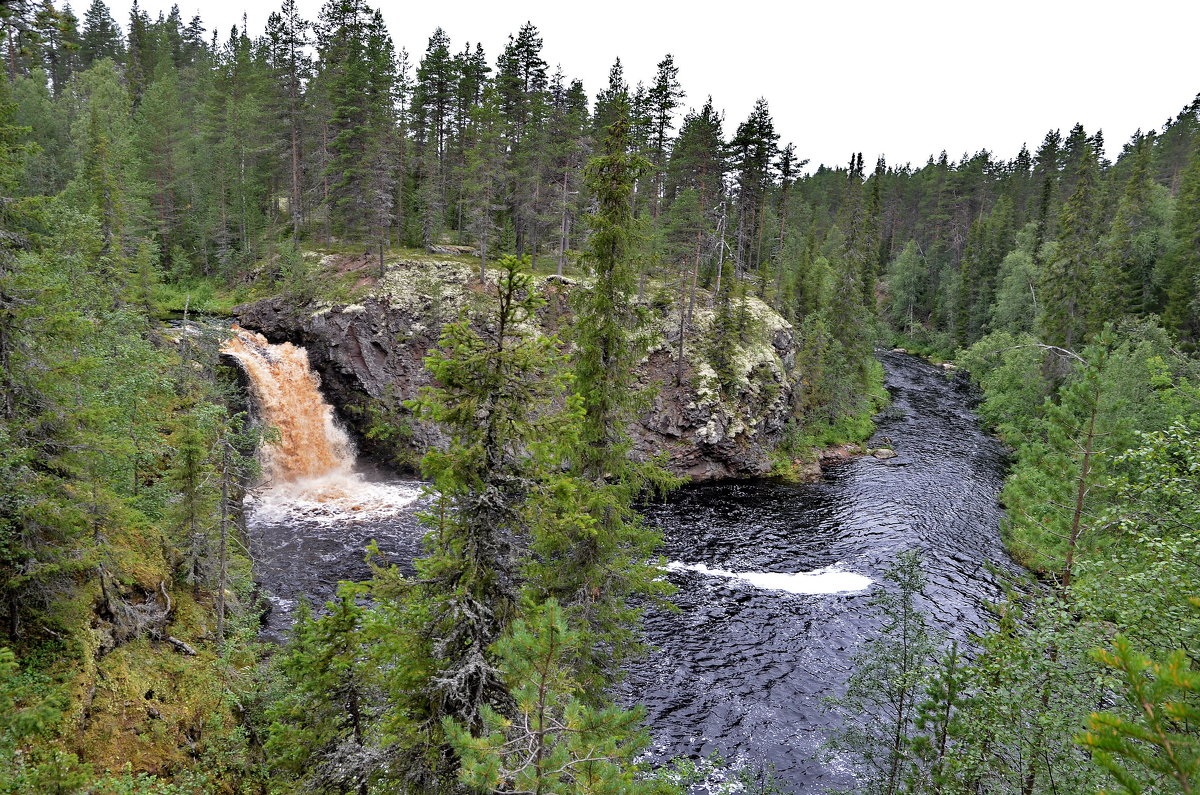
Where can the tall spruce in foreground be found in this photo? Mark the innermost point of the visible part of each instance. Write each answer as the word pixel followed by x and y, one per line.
pixel 604 554
pixel 494 382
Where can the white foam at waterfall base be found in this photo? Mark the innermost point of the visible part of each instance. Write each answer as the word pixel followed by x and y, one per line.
pixel 339 497
pixel 831 579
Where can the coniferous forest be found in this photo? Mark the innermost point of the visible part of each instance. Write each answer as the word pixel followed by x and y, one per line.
pixel 156 175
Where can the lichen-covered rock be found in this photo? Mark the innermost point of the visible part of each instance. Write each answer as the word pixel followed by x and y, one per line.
pixel 372 353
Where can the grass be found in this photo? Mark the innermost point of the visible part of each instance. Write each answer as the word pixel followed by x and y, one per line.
pixel 203 295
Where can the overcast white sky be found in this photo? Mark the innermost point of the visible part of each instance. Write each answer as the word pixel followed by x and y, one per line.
pixel 902 79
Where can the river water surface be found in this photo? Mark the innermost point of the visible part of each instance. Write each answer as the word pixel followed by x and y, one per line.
pixel 773 579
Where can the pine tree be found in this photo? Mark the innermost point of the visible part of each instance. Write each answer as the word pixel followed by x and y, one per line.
pixel 163 137
pixel 697 163
pixel 483 184
pixel 139 56
pixel 60 44
pixel 237 132
pixel 935 748
pixel 754 150
pixel 433 108
pixel 357 74
pixel 571 156
pixel 1046 176
pixel 665 96
pixel 873 255
pixel 1159 744
pixel 287 38
pixel 1124 277
pixel 1053 503
pixel 522 83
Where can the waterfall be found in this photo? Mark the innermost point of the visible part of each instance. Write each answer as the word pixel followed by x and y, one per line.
pixel 287 395
pixel 309 470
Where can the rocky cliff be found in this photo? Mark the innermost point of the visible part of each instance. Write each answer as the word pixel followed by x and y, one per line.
pixel 370 356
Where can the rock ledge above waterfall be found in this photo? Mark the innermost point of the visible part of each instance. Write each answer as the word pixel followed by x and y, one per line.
pixel 370 357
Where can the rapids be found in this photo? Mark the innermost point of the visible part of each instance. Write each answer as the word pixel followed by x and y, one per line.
pixel 774 579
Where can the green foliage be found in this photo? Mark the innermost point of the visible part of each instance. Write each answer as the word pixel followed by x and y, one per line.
pixel 1016 307
pixel 1029 690
pixel 322 728
pixel 297 275
pixel 906 282
pixel 803 438
pixel 1180 272
pixel 598 551
pixel 1141 586
pixel 495 384
pixel 552 741
pixel 158 169
pixel 881 706
pixel 1157 746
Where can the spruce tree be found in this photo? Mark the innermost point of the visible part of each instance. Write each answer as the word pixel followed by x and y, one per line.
pixel 100 38
pixel 1066 286
pixel 601 548
pixel 322 729
pixel 494 384
pixel 556 743
pixel 1182 268
pixel 612 103
pixel 1125 275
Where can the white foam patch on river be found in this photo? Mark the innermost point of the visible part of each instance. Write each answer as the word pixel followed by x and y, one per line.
pixel 829 580
pixel 327 500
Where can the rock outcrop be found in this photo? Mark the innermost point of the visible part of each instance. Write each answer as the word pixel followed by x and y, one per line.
pixel 371 354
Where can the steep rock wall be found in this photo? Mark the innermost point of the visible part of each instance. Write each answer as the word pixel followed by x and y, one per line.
pixel 371 354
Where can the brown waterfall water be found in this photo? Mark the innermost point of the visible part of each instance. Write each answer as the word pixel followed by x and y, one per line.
pixel 309 469
pixel 287 395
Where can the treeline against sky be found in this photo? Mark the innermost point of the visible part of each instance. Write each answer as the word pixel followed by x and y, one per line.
pixel 212 146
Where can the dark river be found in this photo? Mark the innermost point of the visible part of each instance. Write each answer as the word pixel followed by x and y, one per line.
pixel 774 579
